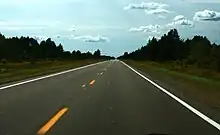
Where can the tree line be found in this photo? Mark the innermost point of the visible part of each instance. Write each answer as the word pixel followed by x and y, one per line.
pixel 16 49
pixel 197 51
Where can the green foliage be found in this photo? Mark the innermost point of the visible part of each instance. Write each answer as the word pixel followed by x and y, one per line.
pixel 196 51
pixel 28 49
pixel 97 53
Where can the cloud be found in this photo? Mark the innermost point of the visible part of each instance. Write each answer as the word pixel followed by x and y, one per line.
pixel 180 20
pixel 148 28
pixel 150 7
pixel 72 28
pixel 151 37
pixel 145 5
pixel 178 17
pixel 184 22
pixel 92 39
pixel 40 38
pixel 157 11
pixel 207 15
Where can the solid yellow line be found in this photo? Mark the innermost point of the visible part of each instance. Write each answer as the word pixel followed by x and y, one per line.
pixel 92 82
pixel 51 122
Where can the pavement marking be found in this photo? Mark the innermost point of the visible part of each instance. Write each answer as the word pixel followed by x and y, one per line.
pixel 192 109
pixel 100 73
pixel 48 76
pixel 51 122
pixel 92 82
pixel 83 85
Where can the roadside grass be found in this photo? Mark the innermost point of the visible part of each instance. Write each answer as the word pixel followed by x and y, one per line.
pixel 10 72
pixel 199 84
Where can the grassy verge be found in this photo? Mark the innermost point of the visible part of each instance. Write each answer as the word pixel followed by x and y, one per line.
pixel 17 71
pixel 197 84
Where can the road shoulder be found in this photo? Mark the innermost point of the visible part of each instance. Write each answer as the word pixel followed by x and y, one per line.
pixel 192 93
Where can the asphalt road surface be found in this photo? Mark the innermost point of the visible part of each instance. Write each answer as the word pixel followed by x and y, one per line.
pixel 103 99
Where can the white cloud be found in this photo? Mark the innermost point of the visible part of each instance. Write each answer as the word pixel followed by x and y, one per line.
pixel 146 5
pixel 207 15
pixel 149 28
pixel 89 38
pixel 151 37
pixel 177 21
pixel 40 38
pixel 150 7
pixel 183 22
pixel 72 28
pixel 180 20
pixel 178 17
pixel 157 11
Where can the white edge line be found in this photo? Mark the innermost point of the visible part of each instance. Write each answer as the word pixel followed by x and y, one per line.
pixel 201 115
pixel 48 76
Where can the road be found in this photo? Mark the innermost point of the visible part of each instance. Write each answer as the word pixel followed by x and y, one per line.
pixel 103 99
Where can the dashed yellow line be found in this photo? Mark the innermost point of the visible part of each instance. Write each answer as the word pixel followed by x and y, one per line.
pixel 92 82
pixel 51 122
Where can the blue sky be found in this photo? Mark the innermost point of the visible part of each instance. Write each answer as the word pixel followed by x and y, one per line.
pixel 113 26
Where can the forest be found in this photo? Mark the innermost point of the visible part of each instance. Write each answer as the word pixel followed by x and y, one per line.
pixel 198 51
pixel 19 49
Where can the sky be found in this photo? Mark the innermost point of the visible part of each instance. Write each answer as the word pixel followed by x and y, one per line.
pixel 113 26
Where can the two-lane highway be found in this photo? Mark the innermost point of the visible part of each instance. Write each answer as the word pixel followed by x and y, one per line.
pixel 103 99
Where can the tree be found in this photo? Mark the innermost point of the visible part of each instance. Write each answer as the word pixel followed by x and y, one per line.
pixel 97 53
pixel 200 51
pixel 125 54
pixel 197 51
pixel 28 49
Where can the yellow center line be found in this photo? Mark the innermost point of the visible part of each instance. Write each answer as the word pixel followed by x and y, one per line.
pixel 51 122
pixel 92 82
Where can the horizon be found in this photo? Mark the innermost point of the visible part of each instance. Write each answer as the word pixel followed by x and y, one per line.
pixel 114 27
